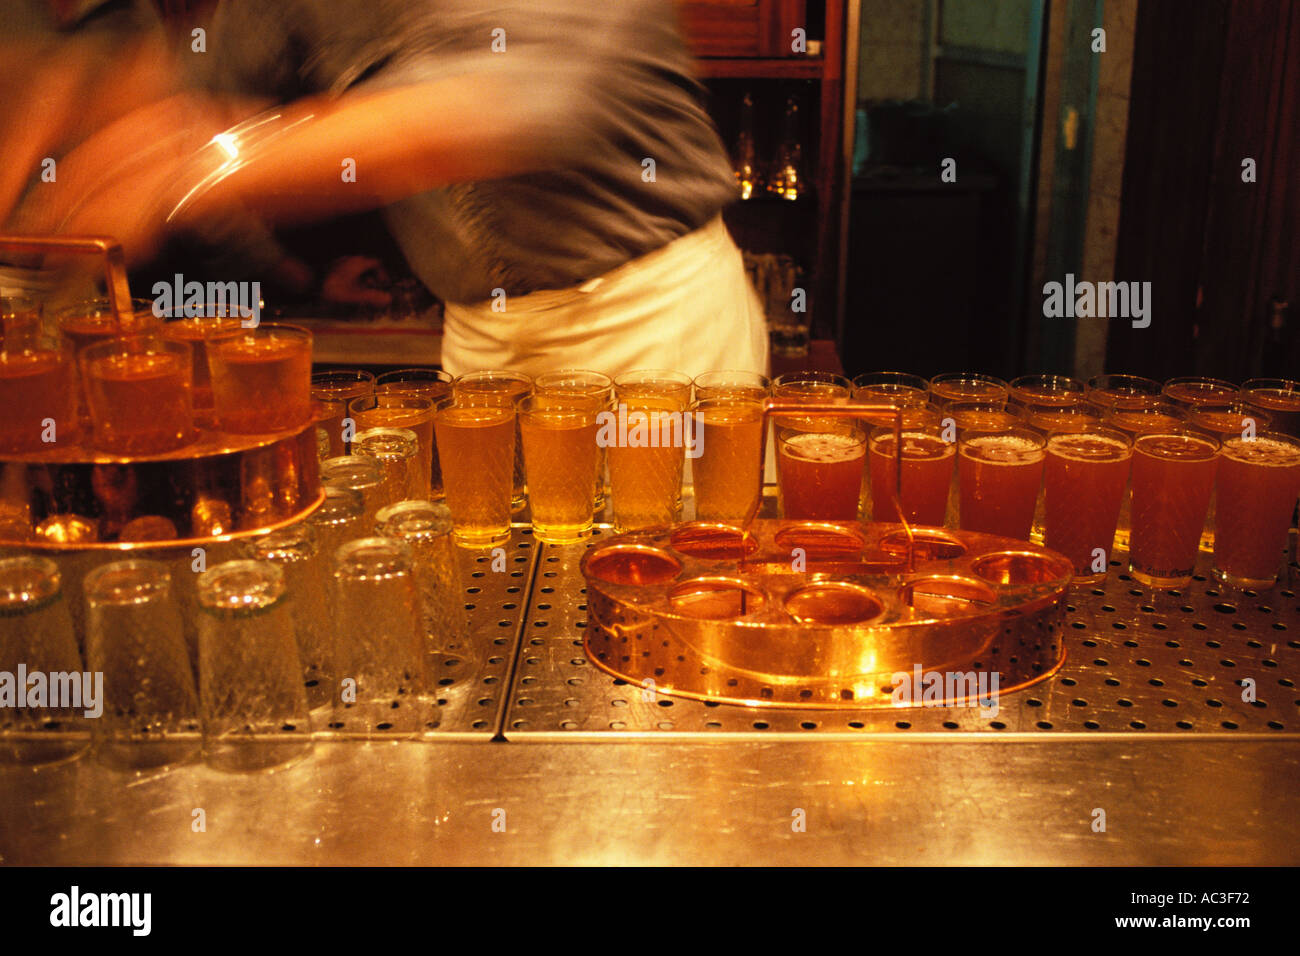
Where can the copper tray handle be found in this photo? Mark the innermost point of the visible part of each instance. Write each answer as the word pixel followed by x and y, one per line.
pixel 119 294
pixel 772 407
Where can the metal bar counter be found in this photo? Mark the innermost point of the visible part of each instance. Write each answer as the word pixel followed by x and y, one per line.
pixel 1140 750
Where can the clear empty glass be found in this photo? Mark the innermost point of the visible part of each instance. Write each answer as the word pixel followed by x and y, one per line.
pixel 254 705
pixel 36 639
pixel 401 410
pixel 134 637
pixel 293 550
pixel 426 528
pixel 379 654
pixel 396 450
pixel 337 521
pixel 363 475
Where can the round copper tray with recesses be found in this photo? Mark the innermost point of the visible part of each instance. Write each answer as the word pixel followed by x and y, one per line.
pixel 824 614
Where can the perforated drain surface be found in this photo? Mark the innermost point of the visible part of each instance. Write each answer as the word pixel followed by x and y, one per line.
pixel 1138 661
pixel 474 674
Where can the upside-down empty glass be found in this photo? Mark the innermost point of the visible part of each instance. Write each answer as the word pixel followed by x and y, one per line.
pixel 135 638
pixel 36 639
pixel 253 703
pixel 294 551
pixel 363 475
pixel 401 410
pixel 426 528
pixel 380 651
pixel 337 521
pixel 397 451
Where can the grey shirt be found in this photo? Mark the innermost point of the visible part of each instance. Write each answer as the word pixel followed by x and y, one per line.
pixel 610 85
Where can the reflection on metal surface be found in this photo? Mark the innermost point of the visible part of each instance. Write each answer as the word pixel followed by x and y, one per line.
pixel 820 630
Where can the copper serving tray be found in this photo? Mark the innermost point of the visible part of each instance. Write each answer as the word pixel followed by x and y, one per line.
pixel 822 614
pixel 71 497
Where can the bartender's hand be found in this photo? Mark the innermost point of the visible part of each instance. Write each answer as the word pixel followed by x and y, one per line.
pixel 125 179
pixel 346 283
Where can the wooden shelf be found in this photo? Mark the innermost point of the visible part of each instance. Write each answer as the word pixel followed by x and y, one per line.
pixel 778 68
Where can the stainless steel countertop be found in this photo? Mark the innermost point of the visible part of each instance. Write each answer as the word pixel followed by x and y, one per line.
pixel 1155 735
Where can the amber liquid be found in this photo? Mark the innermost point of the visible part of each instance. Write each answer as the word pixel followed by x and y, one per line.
pixel 139 402
pixel 1283 405
pixel 261 385
pixel 478 451
pixel 502 393
pixel 1173 476
pixel 999 476
pixel 646 481
pixel 728 474
pixel 1258 484
pixel 820 474
pixel 927 475
pixel 197 333
pixel 1085 477
pixel 35 386
pixel 560 454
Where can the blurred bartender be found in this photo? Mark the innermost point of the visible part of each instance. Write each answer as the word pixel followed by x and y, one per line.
pixel 546 166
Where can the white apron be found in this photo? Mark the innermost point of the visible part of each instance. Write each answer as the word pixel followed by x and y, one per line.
pixel 687 307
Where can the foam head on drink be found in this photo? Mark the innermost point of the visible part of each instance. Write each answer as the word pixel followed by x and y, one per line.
pixel 927 476
pixel 821 474
pixel 1000 477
